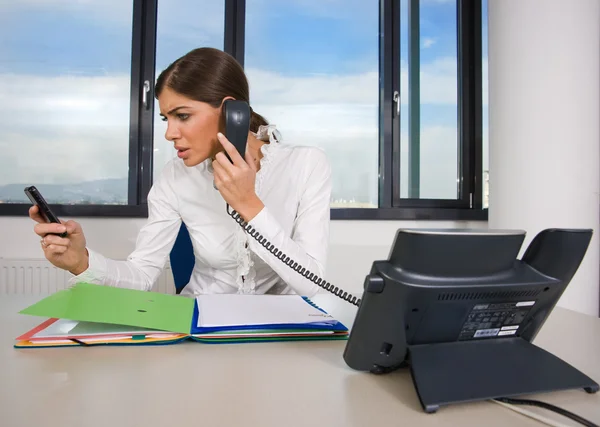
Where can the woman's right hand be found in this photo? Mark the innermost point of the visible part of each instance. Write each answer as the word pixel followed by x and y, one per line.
pixel 68 253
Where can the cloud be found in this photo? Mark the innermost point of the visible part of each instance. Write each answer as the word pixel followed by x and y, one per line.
pixel 438 162
pixel 438 1
pixel 77 127
pixel 428 42
pixel 108 12
pixel 60 129
pixel 64 101
pixel 438 82
pixel 438 86
pixel 484 79
pixel 349 10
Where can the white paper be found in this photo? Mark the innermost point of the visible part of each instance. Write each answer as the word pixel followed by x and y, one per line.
pixel 238 310
pixel 73 328
pixel 251 334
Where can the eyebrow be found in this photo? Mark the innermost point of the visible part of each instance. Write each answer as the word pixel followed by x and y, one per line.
pixel 175 109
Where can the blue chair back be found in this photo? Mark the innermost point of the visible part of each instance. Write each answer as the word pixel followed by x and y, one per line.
pixel 182 259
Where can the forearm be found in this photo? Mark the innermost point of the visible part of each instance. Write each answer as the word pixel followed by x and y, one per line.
pixel 153 244
pixel 311 261
pixel 121 274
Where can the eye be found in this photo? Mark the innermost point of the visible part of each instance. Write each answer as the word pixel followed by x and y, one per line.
pixel 182 116
pixel 163 118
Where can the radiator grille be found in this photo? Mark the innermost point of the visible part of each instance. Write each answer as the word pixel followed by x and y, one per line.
pixel 39 277
pixel 487 295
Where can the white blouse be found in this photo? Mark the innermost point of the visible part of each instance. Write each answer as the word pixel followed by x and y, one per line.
pixel 294 184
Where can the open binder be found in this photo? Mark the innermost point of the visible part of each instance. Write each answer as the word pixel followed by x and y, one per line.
pixel 88 314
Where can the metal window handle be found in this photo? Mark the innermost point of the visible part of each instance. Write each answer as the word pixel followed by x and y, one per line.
pixel 396 99
pixel 145 92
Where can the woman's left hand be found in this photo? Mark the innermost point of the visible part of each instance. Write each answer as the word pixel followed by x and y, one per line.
pixel 235 181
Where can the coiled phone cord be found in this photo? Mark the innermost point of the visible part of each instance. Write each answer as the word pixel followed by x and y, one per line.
pixel 290 262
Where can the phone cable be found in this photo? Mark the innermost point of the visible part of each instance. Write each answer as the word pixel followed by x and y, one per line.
pixel 508 402
pixel 290 262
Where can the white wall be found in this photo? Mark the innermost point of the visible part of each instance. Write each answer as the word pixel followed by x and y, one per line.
pixel 354 244
pixel 544 108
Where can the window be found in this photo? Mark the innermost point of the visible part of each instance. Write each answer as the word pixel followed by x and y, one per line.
pixel 314 73
pixel 391 90
pixel 65 77
pixel 429 149
pixel 432 137
pixel 485 118
pixel 180 28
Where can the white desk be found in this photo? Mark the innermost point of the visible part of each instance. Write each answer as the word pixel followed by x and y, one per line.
pixel 261 384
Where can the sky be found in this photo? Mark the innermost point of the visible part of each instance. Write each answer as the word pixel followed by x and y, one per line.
pixel 312 67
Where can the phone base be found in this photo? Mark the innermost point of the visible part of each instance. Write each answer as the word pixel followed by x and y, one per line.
pixel 468 371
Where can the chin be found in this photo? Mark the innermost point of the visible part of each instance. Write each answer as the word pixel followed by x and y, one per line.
pixel 193 161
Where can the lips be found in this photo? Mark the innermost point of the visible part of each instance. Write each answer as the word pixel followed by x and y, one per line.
pixel 181 152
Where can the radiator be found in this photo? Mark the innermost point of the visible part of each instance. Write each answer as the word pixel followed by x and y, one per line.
pixel 39 277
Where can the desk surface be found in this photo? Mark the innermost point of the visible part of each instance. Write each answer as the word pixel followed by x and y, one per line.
pixel 260 384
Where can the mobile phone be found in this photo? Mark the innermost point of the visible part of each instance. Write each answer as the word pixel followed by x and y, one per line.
pixel 237 124
pixel 36 198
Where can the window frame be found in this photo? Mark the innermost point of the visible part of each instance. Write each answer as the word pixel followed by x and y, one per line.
pixel 468 205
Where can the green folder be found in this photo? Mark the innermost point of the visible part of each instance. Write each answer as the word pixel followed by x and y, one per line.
pixel 103 304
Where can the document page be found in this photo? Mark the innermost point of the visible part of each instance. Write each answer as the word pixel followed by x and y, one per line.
pixel 236 309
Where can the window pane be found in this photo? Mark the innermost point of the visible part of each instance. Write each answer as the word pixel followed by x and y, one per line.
pixel 64 100
pixel 484 80
pixel 429 127
pixel 182 25
pixel 313 72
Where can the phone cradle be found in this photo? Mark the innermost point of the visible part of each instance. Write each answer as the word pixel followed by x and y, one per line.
pixel 466 371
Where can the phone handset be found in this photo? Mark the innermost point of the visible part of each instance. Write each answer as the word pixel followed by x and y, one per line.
pixel 236 118
pixel 237 125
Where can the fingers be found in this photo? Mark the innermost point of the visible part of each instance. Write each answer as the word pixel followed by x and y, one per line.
pixel 52 240
pixel 55 250
pixel 73 227
pixel 42 229
pixel 34 214
pixel 220 174
pixel 223 162
pixel 236 157
pixel 250 162
pixel 54 244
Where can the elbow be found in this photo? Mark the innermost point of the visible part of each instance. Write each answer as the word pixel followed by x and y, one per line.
pixel 142 277
pixel 147 282
pixel 312 291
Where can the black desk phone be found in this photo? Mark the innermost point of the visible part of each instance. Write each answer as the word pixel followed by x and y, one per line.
pixel 236 117
pixel 456 306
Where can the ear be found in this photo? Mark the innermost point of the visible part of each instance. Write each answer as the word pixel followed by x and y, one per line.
pixel 225 99
pixel 222 114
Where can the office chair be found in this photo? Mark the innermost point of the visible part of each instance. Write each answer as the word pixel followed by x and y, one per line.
pixel 182 259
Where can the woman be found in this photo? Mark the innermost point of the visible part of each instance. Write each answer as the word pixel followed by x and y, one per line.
pixel 282 191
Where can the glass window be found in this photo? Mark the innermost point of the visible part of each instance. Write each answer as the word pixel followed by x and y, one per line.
pixel 182 25
pixel 64 100
pixel 313 68
pixel 484 94
pixel 429 154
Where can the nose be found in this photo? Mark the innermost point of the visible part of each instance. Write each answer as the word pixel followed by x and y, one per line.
pixel 172 133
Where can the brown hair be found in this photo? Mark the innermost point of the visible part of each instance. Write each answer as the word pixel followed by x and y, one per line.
pixel 208 75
